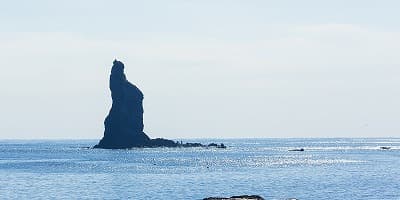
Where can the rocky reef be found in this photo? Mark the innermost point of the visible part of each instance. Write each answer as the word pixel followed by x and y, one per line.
pixel 124 124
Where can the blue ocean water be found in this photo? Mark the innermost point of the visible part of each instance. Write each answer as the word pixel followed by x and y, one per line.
pixel 334 168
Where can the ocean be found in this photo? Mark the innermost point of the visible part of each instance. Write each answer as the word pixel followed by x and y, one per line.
pixel 334 168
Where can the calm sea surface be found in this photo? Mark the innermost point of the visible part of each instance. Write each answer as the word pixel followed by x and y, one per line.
pixel 327 169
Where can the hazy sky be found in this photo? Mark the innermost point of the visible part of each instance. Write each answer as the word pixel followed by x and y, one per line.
pixel 207 68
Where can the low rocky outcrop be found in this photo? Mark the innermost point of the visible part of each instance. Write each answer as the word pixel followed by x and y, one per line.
pixel 123 127
pixel 242 197
pixel 301 149
pixel 221 146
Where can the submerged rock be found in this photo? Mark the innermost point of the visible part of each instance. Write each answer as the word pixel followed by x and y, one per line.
pixel 123 127
pixel 242 197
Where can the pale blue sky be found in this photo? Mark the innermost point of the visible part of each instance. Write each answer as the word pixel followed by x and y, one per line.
pixel 207 68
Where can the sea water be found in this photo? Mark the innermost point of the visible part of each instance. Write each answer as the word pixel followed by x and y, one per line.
pixel 334 168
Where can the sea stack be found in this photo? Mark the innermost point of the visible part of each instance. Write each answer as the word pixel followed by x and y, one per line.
pixel 124 123
pixel 123 126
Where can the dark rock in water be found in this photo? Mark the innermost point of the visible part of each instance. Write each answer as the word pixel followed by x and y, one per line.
pixel 385 148
pixel 124 124
pixel 301 149
pixel 161 142
pixel 222 146
pixel 212 145
pixel 242 197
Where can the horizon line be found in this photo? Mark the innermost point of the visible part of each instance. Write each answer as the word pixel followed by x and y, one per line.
pixel 198 138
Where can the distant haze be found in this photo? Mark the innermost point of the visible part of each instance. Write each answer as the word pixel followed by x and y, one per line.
pixel 207 68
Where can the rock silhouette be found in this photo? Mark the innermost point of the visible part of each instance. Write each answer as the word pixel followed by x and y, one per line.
pixel 241 197
pixel 301 149
pixel 123 127
pixel 124 123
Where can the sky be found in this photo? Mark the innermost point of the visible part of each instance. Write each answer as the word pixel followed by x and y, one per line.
pixel 207 68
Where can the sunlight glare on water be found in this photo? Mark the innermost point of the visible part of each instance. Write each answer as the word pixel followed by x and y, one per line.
pixel 327 169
